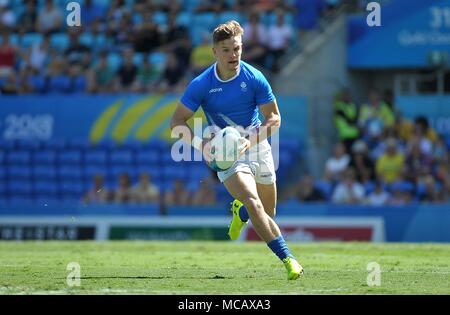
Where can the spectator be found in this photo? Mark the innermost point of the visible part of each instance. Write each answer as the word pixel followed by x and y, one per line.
pixel 173 74
pixel 179 196
pixel 147 36
pixel 346 119
pixel 280 36
pixel 390 166
pixel 374 117
pixel 7 18
pixel 399 197
pixel 10 87
pixel 103 76
pixel 424 134
pixel 49 19
pixel 254 39
pixel 90 13
pixel 77 53
pixel 39 54
pixel 28 20
pixel 431 194
pixel 307 192
pixel 336 165
pixel 145 191
pixel 349 191
pixel 206 195
pixel 123 193
pixel 98 193
pixel 77 78
pixel 379 197
pixel 8 56
pixel 417 164
pixel 174 35
pixel 171 7
pixel 361 162
pixel 147 77
pixel 202 57
pixel 127 71
pixel 440 152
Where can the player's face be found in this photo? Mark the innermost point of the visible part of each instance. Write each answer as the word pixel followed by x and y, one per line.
pixel 228 53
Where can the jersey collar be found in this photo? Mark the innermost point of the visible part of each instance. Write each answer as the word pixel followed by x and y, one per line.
pixel 230 79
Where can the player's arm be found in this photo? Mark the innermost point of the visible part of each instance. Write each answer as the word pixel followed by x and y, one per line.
pixel 271 124
pixel 180 128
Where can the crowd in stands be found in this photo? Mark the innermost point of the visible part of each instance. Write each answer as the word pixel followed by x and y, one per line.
pixel 138 45
pixel 147 192
pixel 382 158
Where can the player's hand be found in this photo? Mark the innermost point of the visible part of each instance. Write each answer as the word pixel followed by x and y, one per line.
pixel 207 151
pixel 243 146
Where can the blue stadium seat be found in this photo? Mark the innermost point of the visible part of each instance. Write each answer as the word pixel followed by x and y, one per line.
pixel 121 157
pixel 46 157
pixel 160 18
pixel 174 172
pixel 69 157
pixel 71 189
pixel 45 188
pixel 147 158
pixel 158 60
pixel 55 144
pixel 91 170
pixel 87 39
pixel 70 172
pixel 27 145
pixel 3 189
pixel 132 145
pixel 59 41
pixel 229 15
pixel 2 157
pixel 78 144
pixel 369 187
pixel 19 172
pixel 183 19
pixel 38 83
pixel 95 157
pixel 198 170
pixel 115 171
pixel 114 61
pixel 155 172
pixel 79 84
pixel 30 39
pixel 44 172
pixel 7 145
pixel 3 173
pixel 59 84
pixel 18 158
pixel 19 188
pixel 106 144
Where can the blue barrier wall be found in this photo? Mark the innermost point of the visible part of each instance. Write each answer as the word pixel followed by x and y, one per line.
pixel 412 223
pixel 113 117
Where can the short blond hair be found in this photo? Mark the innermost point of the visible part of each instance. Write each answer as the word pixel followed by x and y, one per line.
pixel 227 30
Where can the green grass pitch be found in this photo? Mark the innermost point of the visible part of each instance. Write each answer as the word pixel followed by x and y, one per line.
pixel 220 268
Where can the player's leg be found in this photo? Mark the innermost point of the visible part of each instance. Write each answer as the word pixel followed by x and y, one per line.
pixel 268 195
pixel 242 186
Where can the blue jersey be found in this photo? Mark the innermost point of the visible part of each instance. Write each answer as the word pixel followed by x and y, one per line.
pixel 234 102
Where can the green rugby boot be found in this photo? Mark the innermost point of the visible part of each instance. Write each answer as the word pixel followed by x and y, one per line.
pixel 294 269
pixel 236 224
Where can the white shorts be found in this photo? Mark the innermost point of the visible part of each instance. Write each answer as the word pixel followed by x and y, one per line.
pixel 257 161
